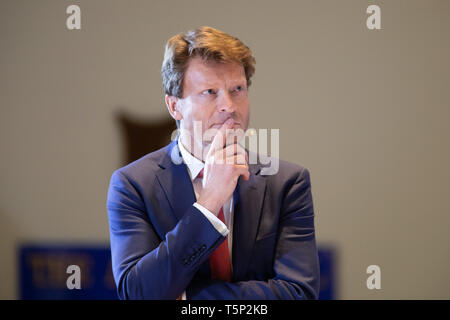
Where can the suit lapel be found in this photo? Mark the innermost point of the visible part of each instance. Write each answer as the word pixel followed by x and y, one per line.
pixel 178 189
pixel 175 181
pixel 248 197
pixel 248 201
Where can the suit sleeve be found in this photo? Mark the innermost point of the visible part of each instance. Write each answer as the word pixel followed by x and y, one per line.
pixel 145 266
pixel 296 265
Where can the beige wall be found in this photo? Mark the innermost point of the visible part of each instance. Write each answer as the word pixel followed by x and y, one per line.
pixel 366 111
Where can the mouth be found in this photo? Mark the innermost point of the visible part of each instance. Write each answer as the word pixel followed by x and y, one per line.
pixel 218 125
pixel 235 129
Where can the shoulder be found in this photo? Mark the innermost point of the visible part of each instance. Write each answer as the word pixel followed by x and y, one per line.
pixel 290 186
pixel 281 174
pixel 142 169
pixel 289 170
pixel 276 169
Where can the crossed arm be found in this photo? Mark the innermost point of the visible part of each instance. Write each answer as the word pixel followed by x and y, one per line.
pixel 147 267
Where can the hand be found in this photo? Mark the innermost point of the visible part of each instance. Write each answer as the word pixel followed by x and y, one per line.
pixel 224 164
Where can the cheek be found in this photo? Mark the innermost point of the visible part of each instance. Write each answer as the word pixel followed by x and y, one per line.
pixel 192 110
pixel 245 112
pixel 201 111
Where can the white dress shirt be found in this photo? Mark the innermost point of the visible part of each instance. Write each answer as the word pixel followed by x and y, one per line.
pixel 194 166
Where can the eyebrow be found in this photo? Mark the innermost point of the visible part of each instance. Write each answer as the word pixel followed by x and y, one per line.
pixel 209 85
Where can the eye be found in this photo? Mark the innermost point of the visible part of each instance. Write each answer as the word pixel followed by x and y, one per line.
pixel 240 88
pixel 209 91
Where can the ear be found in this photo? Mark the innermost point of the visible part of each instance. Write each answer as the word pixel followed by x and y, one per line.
pixel 173 105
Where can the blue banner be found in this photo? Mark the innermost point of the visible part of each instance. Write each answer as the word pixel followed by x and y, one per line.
pixel 44 273
pixel 77 272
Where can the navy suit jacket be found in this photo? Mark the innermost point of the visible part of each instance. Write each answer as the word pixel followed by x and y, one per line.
pixel 160 243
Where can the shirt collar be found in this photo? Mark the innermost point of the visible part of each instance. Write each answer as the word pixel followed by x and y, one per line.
pixel 194 165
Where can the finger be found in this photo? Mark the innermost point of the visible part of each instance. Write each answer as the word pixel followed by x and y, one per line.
pixel 242 170
pixel 244 154
pixel 234 135
pixel 240 158
pixel 243 151
pixel 220 137
pixel 234 150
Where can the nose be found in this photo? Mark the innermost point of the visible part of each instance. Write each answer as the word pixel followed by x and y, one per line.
pixel 226 103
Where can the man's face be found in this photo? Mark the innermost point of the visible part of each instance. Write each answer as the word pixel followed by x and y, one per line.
pixel 212 93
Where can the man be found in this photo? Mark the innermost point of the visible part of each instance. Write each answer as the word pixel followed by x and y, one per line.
pixel 196 220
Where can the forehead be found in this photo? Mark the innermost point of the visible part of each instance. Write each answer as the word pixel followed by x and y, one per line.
pixel 206 73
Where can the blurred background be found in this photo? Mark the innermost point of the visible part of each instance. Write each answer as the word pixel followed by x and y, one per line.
pixel 366 111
